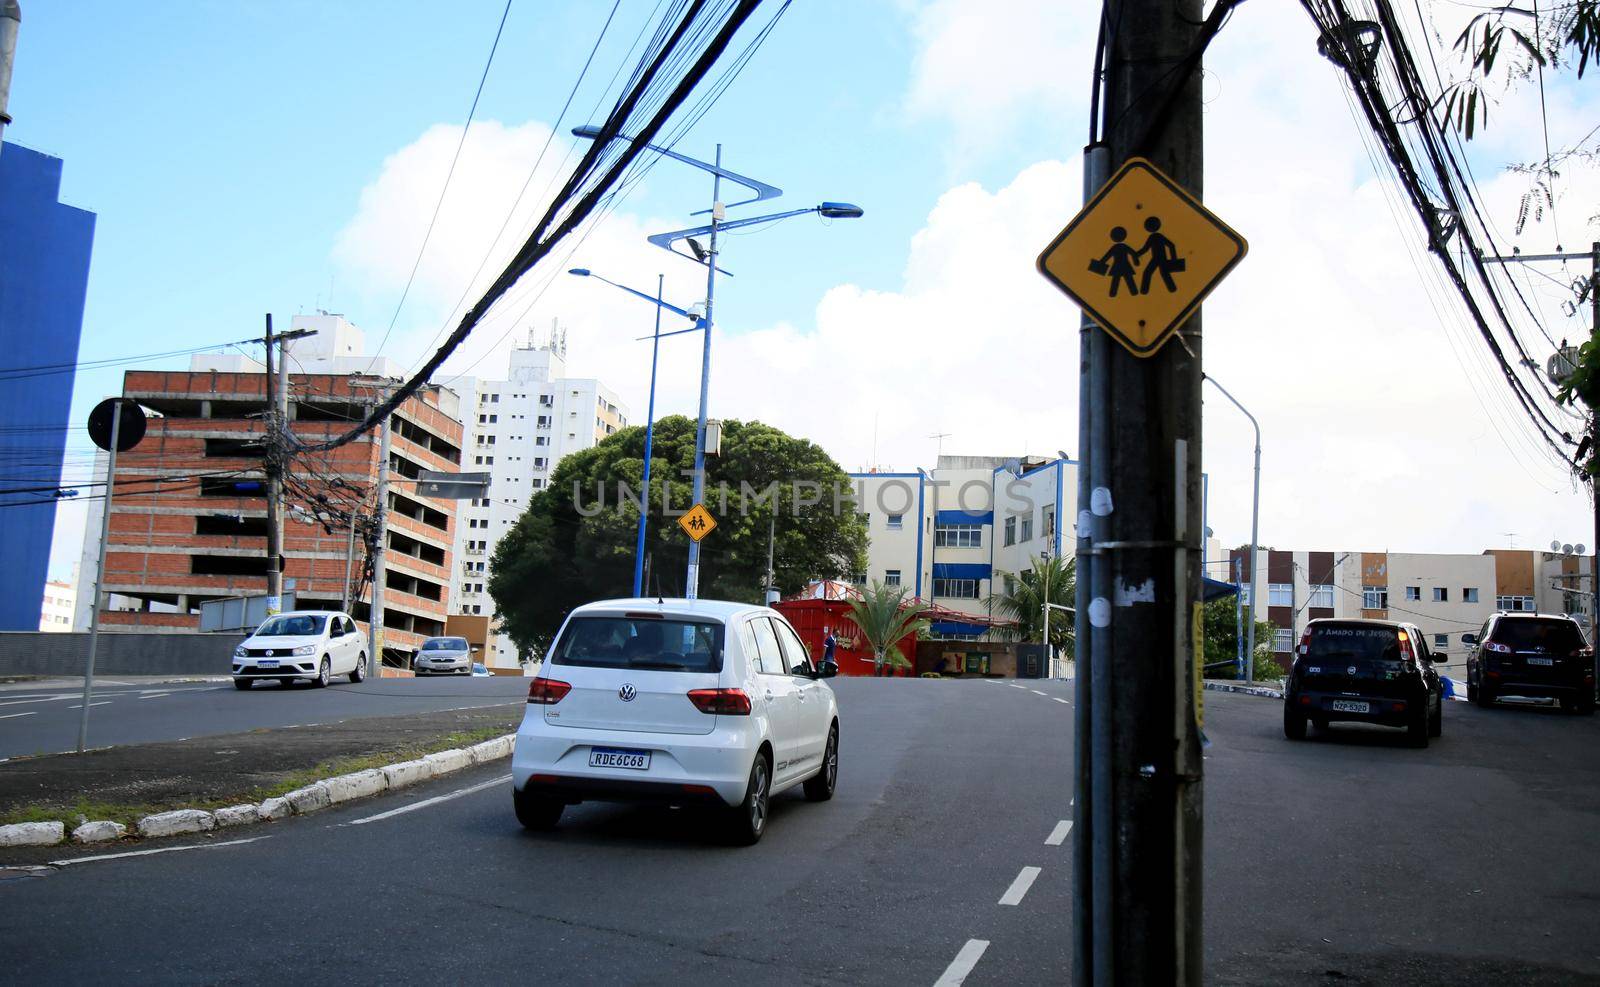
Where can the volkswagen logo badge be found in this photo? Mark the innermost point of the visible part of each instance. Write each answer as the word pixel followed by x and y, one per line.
pixel 627 692
pixel 1350 671
pixel 269 652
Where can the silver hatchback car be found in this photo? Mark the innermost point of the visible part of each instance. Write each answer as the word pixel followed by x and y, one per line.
pixel 443 656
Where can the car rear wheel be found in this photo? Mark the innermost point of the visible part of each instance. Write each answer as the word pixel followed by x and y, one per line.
pixel 360 671
pixel 749 818
pixel 1417 730
pixel 1485 697
pixel 820 788
pixel 1294 725
pixel 537 813
pixel 323 674
pixel 1472 691
pixel 242 683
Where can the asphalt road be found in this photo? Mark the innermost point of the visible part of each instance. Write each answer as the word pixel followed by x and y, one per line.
pixel 43 719
pixel 1349 859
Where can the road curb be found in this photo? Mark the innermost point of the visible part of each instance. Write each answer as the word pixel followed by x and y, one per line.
pixel 310 798
pixel 1248 690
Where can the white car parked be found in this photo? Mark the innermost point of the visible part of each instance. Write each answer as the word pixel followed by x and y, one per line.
pixel 679 702
pixel 305 644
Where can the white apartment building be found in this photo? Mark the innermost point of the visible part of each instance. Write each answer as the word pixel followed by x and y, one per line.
pixel 1445 595
pixel 951 534
pixel 517 430
pixel 60 599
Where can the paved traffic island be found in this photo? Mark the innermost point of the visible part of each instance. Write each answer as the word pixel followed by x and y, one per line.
pixel 197 785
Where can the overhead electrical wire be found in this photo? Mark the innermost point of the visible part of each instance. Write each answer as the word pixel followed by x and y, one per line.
pixel 596 174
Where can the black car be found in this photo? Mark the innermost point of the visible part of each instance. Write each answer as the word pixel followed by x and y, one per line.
pixel 1368 671
pixel 1532 654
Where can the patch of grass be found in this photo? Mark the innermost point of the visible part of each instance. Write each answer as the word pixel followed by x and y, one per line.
pixel 129 813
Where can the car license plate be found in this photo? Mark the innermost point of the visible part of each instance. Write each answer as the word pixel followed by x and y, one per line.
pixel 613 757
pixel 1541 661
pixel 1351 706
pixel 268 662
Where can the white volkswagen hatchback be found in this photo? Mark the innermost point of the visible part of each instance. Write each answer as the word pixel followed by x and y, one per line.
pixel 306 644
pixel 678 702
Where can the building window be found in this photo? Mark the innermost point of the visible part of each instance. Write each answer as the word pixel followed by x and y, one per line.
pixel 1441 594
pixel 1469 594
pixel 1375 597
pixel 1513 603
pixel 1280 594
pixel 1441 642
pixel 542 440
pixel 538 484
pixel 1282 640
pixel 956 589
pixel 1027 529
pixel 958 536
pixel 1011 531
pixel 543 422
pixel 895 522
pixel 494 399
pixel 1321 595
pixel 891 577
pixel 538 463
pixel 859 578
pixel 1413 594
pixel 1050 522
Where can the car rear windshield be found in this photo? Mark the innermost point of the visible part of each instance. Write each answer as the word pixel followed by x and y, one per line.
pixel 291 625
pixel 641 642
pixel 1359 642
pixel 445 644
pixel 1548 633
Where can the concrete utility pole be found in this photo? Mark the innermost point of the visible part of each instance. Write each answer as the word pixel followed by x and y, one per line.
pixel 277 432
pixel 1137 911
pixel 1593 256
pixel 100 577
pixel 10 24
pixel 375 618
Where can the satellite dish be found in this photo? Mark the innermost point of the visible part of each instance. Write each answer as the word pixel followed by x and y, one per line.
pixel 1566 549
pixel 1578 548
pixel 1555 546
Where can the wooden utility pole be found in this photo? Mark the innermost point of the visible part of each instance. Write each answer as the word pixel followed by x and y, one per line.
pixel 1138 846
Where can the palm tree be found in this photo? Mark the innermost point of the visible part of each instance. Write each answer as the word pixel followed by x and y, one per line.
pixel 885 617
pixel 1023 597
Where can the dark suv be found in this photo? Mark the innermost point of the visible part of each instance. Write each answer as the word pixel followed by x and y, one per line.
pixel 1370 671
pixel 1532 654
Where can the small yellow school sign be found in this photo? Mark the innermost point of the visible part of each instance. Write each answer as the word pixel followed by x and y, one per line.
pixel 698 522
pixel 1141 256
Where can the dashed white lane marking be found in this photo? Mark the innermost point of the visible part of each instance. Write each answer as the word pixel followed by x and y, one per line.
pixel 1058 835
pixel 156 695
pixel 1063 702
pixel 12 716
pixel 145 853
pixel 1020 886
pixel 956 973
pixel 1016 686
pixel 45 699
pixel 1036 692
pixel 433 801
pixel 106 702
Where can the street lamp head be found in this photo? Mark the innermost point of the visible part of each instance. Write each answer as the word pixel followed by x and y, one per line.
pixel 589 131
pixel 839 210
pixel 581 272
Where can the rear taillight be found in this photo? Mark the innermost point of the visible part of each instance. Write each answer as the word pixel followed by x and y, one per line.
pixel 1406 652
pixel 1499 649
pixel 547 692
pixel 721 702
pixel 1305 642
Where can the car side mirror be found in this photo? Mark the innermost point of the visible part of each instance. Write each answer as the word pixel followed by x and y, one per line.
pixel 828 670
pixel 1469 639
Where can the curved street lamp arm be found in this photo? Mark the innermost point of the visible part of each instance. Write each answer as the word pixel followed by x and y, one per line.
pixel 762 190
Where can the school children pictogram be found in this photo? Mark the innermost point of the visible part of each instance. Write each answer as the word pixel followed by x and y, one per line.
pixel 1141 256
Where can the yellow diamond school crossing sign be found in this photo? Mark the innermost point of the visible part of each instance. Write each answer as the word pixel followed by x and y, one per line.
pixel 1141 256
pixel 698 522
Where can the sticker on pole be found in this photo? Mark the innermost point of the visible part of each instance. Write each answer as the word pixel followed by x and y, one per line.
pixel 1141 256
pixel 698 522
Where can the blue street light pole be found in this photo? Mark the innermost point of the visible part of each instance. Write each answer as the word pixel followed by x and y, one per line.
pixel 708 256
pixel 650 419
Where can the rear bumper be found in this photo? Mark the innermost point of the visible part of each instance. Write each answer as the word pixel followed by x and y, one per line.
pixel 1535 690
pixel 1380 709
pixel 684 768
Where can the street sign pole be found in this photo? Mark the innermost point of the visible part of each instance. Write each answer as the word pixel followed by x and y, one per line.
pixel 100 575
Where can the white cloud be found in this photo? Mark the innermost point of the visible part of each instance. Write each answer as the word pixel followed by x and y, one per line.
pixel 1375 434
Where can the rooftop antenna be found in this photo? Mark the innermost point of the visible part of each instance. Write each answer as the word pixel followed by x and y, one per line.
pixel 1512 535
pixel 940 436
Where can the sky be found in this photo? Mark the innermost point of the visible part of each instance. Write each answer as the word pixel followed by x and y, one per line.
pixel 246 158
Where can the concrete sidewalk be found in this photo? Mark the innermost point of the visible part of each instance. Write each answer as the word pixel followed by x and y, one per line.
pixel 27 683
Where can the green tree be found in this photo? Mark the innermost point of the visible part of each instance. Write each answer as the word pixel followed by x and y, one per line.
pixel 575 541
pixel 1221 643
pixel 885 617
pixel 1022 598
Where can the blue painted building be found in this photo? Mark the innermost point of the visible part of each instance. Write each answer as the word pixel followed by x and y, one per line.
pixel 44 274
